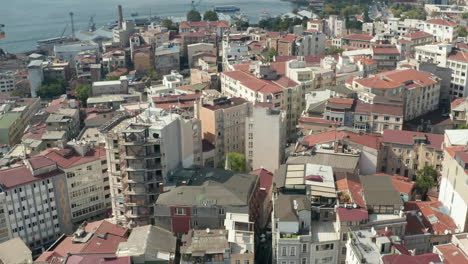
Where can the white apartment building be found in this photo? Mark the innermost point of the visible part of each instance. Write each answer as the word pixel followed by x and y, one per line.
pixel 335 27
pixel 35 76
pixel 33 203
pixel 443 30
pixel 419 90
pixel 458 62
pixel 7 82
pixel 174 80
pixel 240 237
pixel 312 43
pixel 265 138
pixel 453 183
pixel 142 153
pixel 402 27
pixel 87 180
pixel 110 87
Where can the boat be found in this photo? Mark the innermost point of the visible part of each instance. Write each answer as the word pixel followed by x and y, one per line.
pixel 227 9
pixel 2 33
pixel 134 14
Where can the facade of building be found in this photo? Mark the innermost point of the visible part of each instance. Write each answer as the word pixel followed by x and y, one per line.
pixel 264 138
pixel 34 201
pixel 404 152
pixel 87 180
pixel 443 30
pixel 223 124
pixel 458 62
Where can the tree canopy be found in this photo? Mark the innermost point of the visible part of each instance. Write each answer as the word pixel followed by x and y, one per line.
pixel 280 24
pixel 193 16
pixel 169 24
pixel 426 179
pixel 332 50
pixel 52 88
pixel 462 32
pixel 237 161
pixel 210 15
pixel 83 92
pixel 270 54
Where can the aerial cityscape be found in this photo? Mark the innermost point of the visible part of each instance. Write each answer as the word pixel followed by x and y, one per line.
pixel 234 132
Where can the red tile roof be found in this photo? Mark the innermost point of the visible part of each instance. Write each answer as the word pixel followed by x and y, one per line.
pixel 459 56
pixel 432 220
pixel 457 102
pixel 442 22
pixel 68 158
pixel 40 162
pixel 402 184
pixel 369 140
pixel 345 101
pixel 97 259
pixel 360 37
pixel 366 108
pixel 409 259
pixel 14 177
pixel 409 78
pixel 105 239
pixel 390 49
pixel 254 83
pixel 406 138
pixel 417 35
pixel 451 254
pixel 288 38
pixel 352 214
pixel 266 178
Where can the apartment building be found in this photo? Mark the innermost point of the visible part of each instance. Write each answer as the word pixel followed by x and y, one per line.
pixel 458 111
pixel 110 87
pixel 434 53
pixel 458 62
pixel 87 180
pixel 453 184
pixel 262 83
pixel 312 43
pixel 142 153
pixel 34 203
pixel 417 38
pixel 353 41
pixel 399 27
pixel 419 90
pixel 223 124
pixel 7 82
pixel 386 55
pixel 443 30
pixel 64 120
pixel 265 138
pixel 404 152
pixel 375 118
pixel 202 197
pixel 340 110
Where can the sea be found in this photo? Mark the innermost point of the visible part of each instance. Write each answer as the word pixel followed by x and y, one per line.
pixel 27 21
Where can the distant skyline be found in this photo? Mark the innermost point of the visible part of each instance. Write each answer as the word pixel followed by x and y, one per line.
pixel 27 21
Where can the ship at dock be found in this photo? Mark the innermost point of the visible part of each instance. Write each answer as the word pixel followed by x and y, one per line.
pixel 226 9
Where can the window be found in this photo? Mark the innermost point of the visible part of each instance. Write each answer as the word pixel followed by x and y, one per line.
pixel 283 251
pixel 221 211
pixel 180 211
pixel 237 261
pixel 89 168
pixel 246 262
pixel 304 247
pixel 292 251
pixel 303 261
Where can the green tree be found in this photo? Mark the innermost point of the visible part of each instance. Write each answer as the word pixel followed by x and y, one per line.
pixel 83 92
pixel 426 179
pixel 112 78
pixel 193 16
pixel 270 54
pixel 169 24
pixel 465 15
pixel 210 15
pixel 366 15
pixel 18 92
pixel 237 161
pixel 462 31
pixel 52 88
pixel 332 50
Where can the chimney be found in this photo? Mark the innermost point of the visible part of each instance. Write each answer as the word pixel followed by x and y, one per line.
pixel 120 16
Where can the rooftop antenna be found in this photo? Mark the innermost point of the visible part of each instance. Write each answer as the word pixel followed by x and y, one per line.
pixel 72 25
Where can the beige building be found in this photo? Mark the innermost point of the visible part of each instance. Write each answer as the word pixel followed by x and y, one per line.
pixel 419 90
pixel 375 118
pixel 223 125
pixel 265 138
pixel 87 180
pixel 284 85
pixel 404 152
